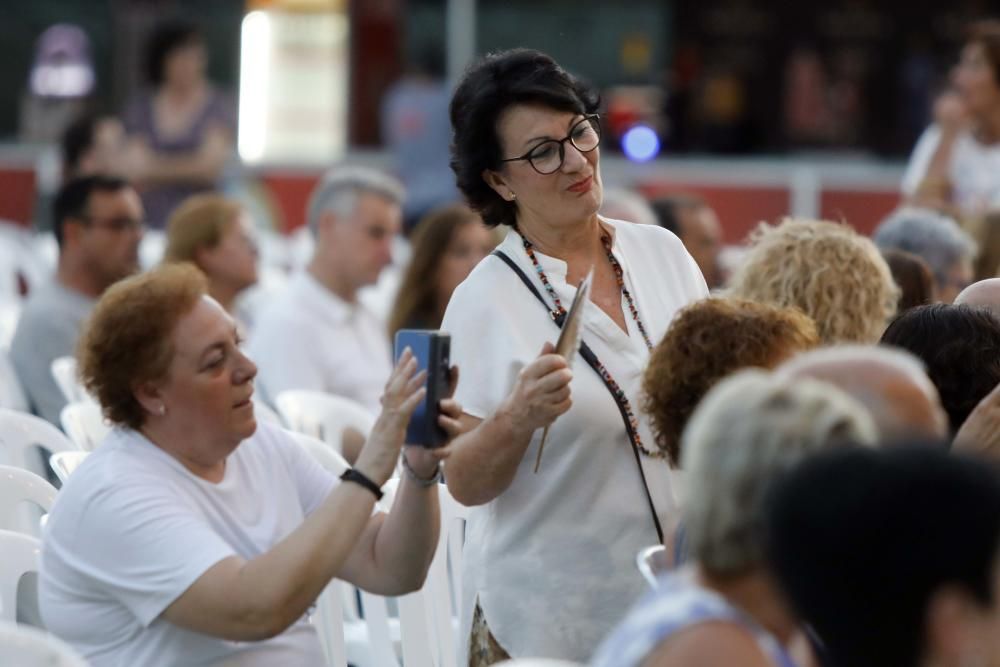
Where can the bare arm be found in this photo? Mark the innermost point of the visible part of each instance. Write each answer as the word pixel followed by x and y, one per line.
pixel 485 459
pixel 935 189
pixel 256 599
pixel 709 643
pixel 201 166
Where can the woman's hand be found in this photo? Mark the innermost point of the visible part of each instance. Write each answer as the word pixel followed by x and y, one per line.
pixel 541 392
pixel 403 392
pixel 950 113
pixel 425 460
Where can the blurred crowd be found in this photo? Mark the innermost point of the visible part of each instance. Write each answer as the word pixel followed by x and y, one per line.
pixel 796 437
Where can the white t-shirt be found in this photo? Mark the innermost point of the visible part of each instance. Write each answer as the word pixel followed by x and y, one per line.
pixel 552 559
pixel 309 338
pixel 974 170
pixel 132 529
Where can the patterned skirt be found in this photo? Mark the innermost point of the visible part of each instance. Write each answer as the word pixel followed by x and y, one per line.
pixel 484 649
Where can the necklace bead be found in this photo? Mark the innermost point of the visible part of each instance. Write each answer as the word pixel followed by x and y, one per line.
pixel 558 311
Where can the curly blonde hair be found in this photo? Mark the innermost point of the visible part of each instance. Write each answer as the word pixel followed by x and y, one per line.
pixel 707 341
pixel 126 340
pixel 825 269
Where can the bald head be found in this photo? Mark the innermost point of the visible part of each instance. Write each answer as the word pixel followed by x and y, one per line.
pixel 891 384
pixel 985 293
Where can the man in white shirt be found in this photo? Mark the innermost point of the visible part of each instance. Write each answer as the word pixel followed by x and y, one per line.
pixel 98 223
pixel 317 335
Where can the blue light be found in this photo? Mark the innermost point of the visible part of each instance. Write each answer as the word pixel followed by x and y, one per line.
pixel 640 144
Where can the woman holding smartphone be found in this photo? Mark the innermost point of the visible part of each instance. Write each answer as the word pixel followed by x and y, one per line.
pixel 549 564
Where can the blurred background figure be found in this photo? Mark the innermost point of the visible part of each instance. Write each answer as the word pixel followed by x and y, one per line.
pixel 891 383
pixel 697 226
pixel 724 608
pixel 912 276
pixel 628 205
pixel 826 270
pixel 960 347
pixel 98 224
pixel 938 240
pixel 216 235
pixel 445 246
pixel 706 342
pixel 956 164
pixel 60 83
pixel 93 144
pixel 181 129
pixel 936 513
pixel 316 334
pixel 416 131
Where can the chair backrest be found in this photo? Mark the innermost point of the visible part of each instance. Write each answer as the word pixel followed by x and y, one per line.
pixel 21 554
pixel 25 646
pixel 322 415
pixel 64 463
pixel 324 453
pixel 652 562
pixel 18 487
pixel 12 394
pixel 64 372
pixel 20 436
pixel 10 312
pixel 85 424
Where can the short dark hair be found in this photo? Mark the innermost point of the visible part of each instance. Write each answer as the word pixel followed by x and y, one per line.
pixel 960 345
pixel 76 140
pixel 74 196
pixel 913 277
pixel 489 87
pixel 668 210
pixel 165 39
pixel 862 539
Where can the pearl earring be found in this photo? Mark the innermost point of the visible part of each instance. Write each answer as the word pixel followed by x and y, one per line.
pixel 162 410
pixel 512 197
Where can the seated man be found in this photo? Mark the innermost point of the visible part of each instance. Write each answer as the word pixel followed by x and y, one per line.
pixel 317 335
pixel 696 225
pixel 891 383
pixel 98 223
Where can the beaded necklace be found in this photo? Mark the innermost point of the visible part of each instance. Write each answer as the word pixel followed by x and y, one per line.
pixel 559 312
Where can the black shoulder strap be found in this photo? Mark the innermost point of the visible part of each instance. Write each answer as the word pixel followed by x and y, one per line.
pixel 592 361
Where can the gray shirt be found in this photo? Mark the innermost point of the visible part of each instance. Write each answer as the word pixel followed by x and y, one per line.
pixel 47 329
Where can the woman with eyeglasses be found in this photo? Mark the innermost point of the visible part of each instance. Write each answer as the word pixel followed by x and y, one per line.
pixel 552 539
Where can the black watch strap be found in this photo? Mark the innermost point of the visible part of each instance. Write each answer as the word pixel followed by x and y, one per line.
pixel 352 475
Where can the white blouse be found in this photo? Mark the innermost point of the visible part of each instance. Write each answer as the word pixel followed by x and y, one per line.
pixel 974 170
pixel 552 559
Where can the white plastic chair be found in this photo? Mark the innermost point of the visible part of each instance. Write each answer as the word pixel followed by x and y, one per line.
pixel 10 313
pixel 64 463
pixel 21 434
pixel 12 394
pixel 25 646
pixel 85 425
pixel 21 555
pixel 64 372
pixel 18 487
pixel 652 562
pixel 323 416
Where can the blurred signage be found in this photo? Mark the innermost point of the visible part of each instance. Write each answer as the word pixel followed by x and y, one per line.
pixel 294 68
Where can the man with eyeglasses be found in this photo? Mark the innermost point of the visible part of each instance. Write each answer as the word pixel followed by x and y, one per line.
pixel 98 223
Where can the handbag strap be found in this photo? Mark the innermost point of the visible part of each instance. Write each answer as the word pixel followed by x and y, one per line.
pixel 592 361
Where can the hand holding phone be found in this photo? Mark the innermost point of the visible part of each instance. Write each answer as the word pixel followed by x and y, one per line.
pixel 432 350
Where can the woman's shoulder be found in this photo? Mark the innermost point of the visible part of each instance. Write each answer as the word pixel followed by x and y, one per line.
pixel 640 236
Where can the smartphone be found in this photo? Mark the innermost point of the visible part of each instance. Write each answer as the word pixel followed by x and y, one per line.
pixel 432 350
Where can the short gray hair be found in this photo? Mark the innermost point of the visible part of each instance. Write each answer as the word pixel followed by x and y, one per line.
pixel 936 238
pixel 752 427
pixel 339 188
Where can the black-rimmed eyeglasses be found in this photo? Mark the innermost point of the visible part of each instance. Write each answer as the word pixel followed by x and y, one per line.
pixel 548 156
